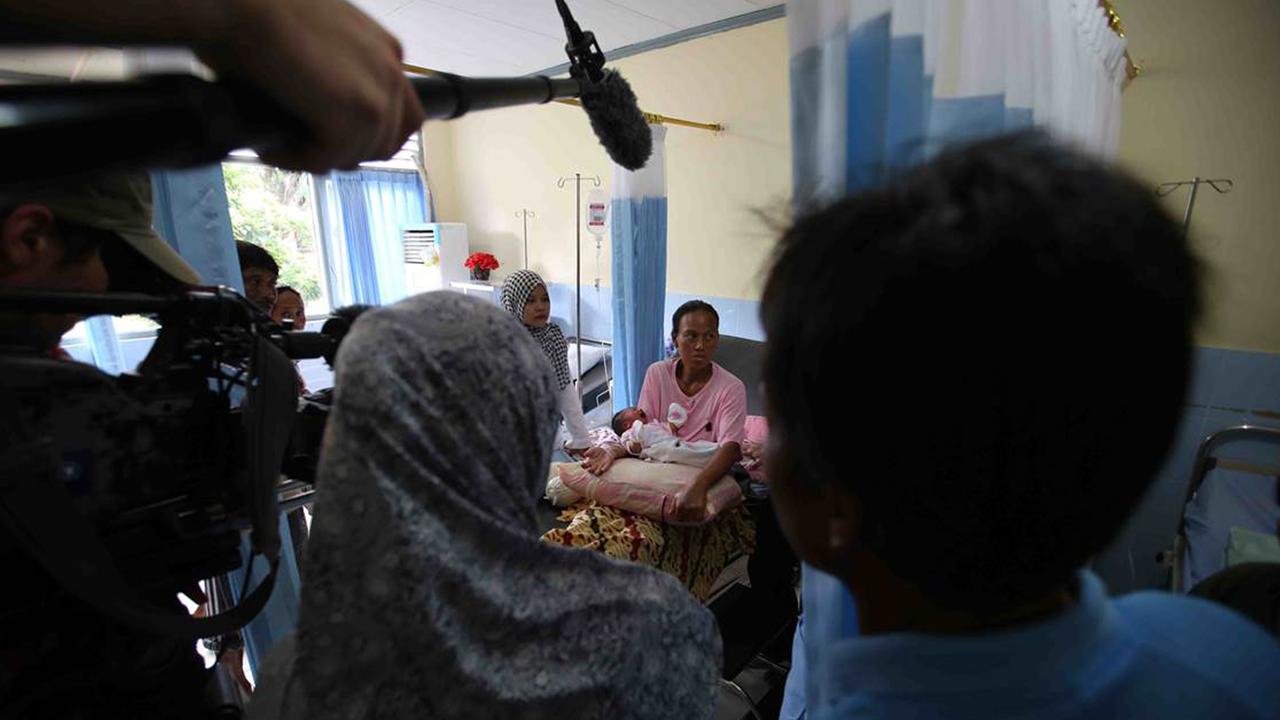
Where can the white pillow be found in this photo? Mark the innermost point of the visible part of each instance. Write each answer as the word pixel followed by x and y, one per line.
pixel 648 488
pixel 557 492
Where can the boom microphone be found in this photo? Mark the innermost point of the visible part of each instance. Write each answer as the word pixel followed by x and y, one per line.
pixel 617 121
pixel 171 121
pixel 610 103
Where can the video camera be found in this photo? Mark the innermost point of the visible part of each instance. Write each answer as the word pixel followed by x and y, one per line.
pixel 139 486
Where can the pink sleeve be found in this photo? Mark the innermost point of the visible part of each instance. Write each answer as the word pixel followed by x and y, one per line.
pixel 651 394
pixel 757 429
pixel 731 418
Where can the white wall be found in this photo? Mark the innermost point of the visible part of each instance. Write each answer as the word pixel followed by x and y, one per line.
pixel 485 167
pixel 1207 104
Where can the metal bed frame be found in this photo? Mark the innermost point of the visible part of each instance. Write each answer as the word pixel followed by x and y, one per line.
pixel 607 360
pixel 1206 461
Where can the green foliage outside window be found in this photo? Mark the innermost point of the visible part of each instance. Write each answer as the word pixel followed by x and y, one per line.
pixel 272 208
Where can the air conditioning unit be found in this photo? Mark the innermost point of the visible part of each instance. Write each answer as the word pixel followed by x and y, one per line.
pixel 434 255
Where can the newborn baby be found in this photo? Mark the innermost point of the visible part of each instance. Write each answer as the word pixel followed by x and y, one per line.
pixel 653 440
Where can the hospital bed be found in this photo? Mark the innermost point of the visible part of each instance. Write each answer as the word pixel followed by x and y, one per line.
pixel 1231 512
pixel 747 627
pixel 745 359
pixel 750 633
pixel 597 370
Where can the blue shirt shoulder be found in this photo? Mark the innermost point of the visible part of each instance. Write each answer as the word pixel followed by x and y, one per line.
pixel 1149 654
pixel 1198 658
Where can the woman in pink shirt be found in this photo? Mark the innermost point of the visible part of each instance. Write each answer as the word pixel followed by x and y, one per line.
pixel 711 403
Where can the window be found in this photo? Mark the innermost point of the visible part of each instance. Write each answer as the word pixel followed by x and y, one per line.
pixel 276 210
pixel 336 239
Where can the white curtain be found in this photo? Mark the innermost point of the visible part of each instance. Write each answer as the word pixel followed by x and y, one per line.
pixel 880 85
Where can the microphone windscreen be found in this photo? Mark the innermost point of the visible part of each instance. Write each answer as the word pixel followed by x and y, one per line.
pixel 335 328
pixel 615 117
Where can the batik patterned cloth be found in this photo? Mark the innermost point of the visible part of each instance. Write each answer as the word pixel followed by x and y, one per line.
pixel 696 556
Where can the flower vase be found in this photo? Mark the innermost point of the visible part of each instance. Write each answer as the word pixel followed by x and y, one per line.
pixel 478 274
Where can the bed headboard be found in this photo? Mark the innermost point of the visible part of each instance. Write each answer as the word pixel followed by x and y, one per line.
pixel 744 358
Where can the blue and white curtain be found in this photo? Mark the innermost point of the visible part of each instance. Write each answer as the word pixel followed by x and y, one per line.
pixel 639 236
pixel 365 213
pixel 191 213
pixel 880 85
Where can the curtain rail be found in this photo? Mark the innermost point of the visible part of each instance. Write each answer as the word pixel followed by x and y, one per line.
pixel 1131 69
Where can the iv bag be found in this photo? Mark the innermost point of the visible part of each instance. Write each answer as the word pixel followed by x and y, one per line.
pixel 597 213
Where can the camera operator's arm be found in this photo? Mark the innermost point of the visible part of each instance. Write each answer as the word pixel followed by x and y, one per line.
pixel 323 60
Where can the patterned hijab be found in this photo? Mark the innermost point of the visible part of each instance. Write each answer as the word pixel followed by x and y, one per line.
pixel 428 593
pixel 516 290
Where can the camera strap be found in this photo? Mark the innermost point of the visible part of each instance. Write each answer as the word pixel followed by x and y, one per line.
pixel 268 422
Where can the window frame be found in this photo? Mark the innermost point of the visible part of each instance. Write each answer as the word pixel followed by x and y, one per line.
pixel 409 159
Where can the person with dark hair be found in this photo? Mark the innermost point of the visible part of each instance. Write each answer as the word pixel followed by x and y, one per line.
pixel 1251 589
pixel 260 272
pixel 88 234
pixel 339 324
pixel 1039 305
pixel 313 409
pixel 350 312
pixel 711 401
pixel 289 306
pixel 625 418
pixel 59 657
pixel 650 439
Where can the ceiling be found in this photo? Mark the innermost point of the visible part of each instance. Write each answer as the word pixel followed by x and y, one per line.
pixel 515 37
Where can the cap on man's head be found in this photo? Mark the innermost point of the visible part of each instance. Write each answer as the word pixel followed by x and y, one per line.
pixel 118 202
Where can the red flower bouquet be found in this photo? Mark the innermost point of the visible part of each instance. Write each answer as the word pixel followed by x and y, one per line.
pixel 480 263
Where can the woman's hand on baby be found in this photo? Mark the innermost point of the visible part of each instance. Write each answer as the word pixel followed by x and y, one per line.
pixel 598 460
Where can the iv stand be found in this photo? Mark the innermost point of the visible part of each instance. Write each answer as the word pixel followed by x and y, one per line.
pixel 577 226
pixel 525 214
pixel 1221 185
